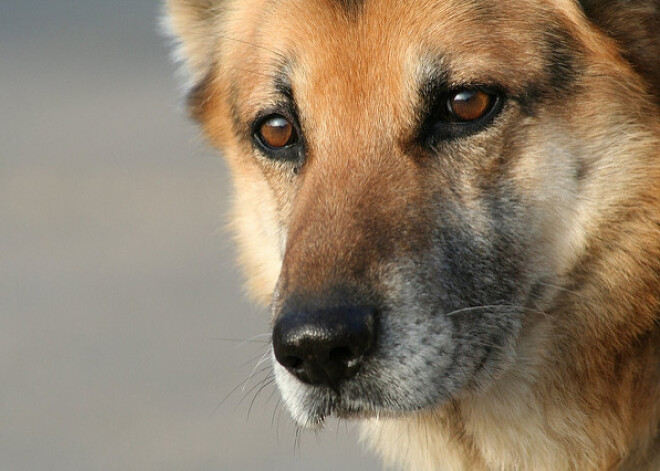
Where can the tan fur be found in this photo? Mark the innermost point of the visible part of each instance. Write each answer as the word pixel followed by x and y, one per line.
pixel 585 390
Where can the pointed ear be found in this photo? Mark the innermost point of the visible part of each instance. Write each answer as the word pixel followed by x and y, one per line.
pixel 195 27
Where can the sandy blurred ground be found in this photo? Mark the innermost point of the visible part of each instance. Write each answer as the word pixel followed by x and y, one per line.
pixel 118 296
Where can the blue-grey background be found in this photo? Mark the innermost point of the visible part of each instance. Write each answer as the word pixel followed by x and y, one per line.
pixel 119 301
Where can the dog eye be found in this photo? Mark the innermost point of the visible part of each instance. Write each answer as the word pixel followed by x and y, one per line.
pixel 276 132
pixel 460 113
pixel 469 105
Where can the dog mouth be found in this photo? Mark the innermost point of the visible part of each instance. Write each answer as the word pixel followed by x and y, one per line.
pixel 394 380
pixel 387 358
pixel 365 396
pixel 315 404
pixel 313 394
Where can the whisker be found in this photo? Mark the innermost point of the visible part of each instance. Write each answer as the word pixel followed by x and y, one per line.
pixel 561 288
pixel 296 441
pixel 272 393
pixel 264 384
pixel 250 71
pixel 224 399
pixel 535 311
pixel 241 386
pixel 254 358
pixel 248 43
pixel 475 308
pixel 255 386
pixel 496 306
pixel 277 405
pixel 254 339
pixel 277 426
pixel 264 357
pixel 241 342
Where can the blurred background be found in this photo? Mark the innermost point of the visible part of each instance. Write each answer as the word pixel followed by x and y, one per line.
pixel 123 324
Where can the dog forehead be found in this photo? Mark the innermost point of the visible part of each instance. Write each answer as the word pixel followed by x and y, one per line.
pixel 371 61
pixel 373 41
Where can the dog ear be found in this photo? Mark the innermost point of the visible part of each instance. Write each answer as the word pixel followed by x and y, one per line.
pixel 195 27
pixel 635 26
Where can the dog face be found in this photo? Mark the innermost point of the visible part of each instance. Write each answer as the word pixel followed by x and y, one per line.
pixel 414 185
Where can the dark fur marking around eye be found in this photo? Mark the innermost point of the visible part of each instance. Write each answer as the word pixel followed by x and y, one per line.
pixel 434 85
pixel 283 84
pixel 439 121
pixel 282 104
pixel 284 88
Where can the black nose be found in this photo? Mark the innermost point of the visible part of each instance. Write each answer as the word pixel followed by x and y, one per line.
pixel 324 347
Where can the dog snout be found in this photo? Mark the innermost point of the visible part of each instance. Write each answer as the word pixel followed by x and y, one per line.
pixel 326 346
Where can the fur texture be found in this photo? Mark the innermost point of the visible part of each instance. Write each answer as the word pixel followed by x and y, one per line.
pixel 513 263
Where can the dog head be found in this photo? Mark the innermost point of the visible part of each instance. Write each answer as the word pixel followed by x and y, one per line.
pixel 414 184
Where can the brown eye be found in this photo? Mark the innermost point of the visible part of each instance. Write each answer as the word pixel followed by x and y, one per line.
pixel 277 132
pixel 469 105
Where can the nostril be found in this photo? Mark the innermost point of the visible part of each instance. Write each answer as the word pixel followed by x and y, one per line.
pixel 343 355
pixel 291 362
pixel 324 346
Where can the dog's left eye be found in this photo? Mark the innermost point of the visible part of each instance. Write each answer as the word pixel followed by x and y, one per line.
pixel 460 113
pixel 469 105
pixel 277 138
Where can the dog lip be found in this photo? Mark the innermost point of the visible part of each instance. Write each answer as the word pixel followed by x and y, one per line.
pixel 328 401
pixel 341 404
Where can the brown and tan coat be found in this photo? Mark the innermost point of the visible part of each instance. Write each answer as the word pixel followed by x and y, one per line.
pixel 453 208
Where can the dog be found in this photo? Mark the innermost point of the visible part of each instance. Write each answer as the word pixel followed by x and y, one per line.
pixel 452 209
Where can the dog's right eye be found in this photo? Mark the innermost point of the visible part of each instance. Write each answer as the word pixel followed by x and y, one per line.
pixel 275 133
pixel 277 137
